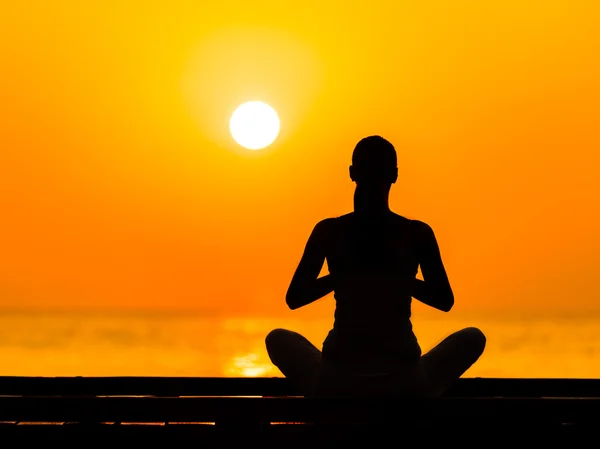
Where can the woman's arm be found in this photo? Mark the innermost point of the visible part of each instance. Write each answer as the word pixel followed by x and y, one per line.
pixel 305 287
pixel 434 290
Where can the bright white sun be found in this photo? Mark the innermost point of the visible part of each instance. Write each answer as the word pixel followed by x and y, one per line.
pixel 254 125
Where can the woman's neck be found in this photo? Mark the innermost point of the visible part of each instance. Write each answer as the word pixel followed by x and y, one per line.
pixel 371 201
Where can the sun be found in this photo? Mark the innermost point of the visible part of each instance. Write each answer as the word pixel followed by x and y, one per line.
pixel 254 125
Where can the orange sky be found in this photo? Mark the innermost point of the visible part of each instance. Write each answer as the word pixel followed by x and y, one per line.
pixel 120 186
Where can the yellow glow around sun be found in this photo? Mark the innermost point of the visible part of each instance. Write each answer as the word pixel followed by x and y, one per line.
pixel 254 125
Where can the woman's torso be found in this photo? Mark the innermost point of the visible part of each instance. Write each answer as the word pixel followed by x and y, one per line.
pixel 372 262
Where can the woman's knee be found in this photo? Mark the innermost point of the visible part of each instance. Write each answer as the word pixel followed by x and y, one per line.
pixel 273 344
pixel 274 337
pixel 275 341
pixel 476 339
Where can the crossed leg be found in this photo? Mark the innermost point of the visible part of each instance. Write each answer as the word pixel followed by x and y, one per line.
pixel 446 362
pixel 296 357
pixel 299 360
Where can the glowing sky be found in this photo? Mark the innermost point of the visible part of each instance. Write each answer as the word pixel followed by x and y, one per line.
pixel 120 185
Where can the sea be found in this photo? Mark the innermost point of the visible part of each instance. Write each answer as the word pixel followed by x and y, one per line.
pixel 195 344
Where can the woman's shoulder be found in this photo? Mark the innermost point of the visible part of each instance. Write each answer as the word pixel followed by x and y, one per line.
pixel 420 226
pixel 418 231
pixel 332 221
pixel 414 224
pixel 327 224
pixel 333 224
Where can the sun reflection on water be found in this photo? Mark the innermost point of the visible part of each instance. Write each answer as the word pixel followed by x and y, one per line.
pixel 250 365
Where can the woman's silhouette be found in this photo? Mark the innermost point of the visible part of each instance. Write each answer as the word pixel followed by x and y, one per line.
pixel 373 257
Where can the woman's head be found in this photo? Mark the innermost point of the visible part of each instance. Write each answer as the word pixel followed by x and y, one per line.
pixel 374 162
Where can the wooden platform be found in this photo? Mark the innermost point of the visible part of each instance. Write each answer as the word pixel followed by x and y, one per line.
pixel 227 412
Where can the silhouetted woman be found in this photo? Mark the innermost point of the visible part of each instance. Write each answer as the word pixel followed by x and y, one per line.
pixel 373 257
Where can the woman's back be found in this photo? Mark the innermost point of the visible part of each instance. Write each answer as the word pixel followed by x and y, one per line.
pixel 372 260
